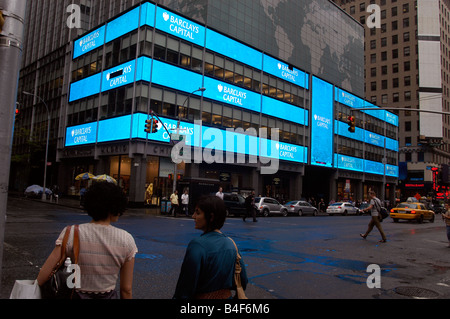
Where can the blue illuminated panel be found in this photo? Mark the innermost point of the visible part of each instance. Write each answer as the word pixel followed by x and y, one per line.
pixel 284 111
pixel 123 128
pixel 392 171
pixel 81 134
pixel 233 49
pixel 90 42
pixel 341 128
pixel 180 27
pixel 176 78
pixel 85 87
pixel 348 163
pixel 119 76
pixel 374 139
pixel 391 144
pixel 115 129
pixel 122 25
pixel 148 14
pixel 230 94
pixel 373 167
pixel 282 70
pixel 144 69
pixel 322 123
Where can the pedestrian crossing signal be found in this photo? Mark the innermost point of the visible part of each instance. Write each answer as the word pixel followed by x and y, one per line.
pixel 351 124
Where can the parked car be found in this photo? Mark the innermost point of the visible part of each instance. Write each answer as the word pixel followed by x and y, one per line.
pixel 362 207
pixel 299 207
pixel 342 208
pixel 267 206
pixel 234 203
pixel 412 211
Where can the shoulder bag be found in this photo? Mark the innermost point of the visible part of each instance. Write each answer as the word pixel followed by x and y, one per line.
pixel 240 293
pixel 56 285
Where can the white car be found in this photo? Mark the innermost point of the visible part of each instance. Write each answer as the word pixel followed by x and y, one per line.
pixel 342 208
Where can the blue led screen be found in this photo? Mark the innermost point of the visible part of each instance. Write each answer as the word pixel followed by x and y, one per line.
pixel 118 76
pixel 178 26
pixel 148 14
pixel 90 42
pixel 86 87
pixel 81 134
pixel 122 25
pixel 234 95
pixel 322 123
pixel 284 111
pixel 132 126
pixel 177 78
pixel 285 72
pixel 348 163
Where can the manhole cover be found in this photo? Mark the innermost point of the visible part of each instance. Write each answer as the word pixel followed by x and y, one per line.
pixel 416 292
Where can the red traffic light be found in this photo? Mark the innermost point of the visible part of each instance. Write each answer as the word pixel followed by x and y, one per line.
pixel 151 126
pixel 351 124
pixel 155 126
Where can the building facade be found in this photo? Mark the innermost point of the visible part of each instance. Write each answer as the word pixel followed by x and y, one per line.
pixel 226 75
pixel 407 67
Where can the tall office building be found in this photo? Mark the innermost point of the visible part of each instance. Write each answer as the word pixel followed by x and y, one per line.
pixel 407 66
pixel 292 65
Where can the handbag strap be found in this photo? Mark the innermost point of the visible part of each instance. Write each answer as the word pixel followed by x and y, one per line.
pixel 76 243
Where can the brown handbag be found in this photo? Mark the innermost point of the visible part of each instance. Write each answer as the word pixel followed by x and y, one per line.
pixel 240 293
pixel 56 285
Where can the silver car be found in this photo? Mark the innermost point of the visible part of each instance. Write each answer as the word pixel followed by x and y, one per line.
pixel 267 206
pixel 342 208
pixel 300 208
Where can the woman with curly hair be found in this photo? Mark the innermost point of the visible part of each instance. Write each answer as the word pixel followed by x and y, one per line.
pixel 105 251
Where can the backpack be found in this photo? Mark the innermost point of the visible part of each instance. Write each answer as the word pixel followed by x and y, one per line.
pixel 380 209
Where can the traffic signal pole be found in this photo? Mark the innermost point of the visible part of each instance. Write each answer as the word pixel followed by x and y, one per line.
pixel 11 38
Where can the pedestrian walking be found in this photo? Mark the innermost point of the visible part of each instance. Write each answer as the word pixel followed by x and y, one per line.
pixel 250 209
pixel 220 193
pixel 446 218
pixel 185 202
pixel 174 204
pixel 375 221
pixel 105 251
pixel 209 264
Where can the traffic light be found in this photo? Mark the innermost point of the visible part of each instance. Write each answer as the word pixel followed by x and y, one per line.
pixel 148 126
pixel 151 126
pixel 351 124
pixel 155 126
pixel 2 21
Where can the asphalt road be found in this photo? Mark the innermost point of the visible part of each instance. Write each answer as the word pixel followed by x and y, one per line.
pixel 294 257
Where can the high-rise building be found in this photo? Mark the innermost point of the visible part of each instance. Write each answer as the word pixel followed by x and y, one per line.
pixel 239 67
pixel 407 67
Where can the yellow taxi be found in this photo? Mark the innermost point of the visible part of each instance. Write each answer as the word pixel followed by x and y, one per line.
pixel 412 211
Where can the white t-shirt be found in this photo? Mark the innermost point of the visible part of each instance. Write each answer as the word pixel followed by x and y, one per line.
pixel 220 195
pixel 185 199
pixel 103 251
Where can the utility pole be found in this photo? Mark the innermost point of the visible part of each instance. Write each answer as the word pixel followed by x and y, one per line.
pixel 12 15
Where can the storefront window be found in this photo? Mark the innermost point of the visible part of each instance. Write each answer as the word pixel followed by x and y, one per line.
pixel 120 169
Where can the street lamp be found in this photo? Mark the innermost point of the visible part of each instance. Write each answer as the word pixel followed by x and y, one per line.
pixel 202 89
pixel 48 137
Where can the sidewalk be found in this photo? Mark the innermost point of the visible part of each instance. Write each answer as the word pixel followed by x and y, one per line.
pixel 75 203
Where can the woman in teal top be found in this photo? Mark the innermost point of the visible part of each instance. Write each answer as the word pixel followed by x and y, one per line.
pixel 209 264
